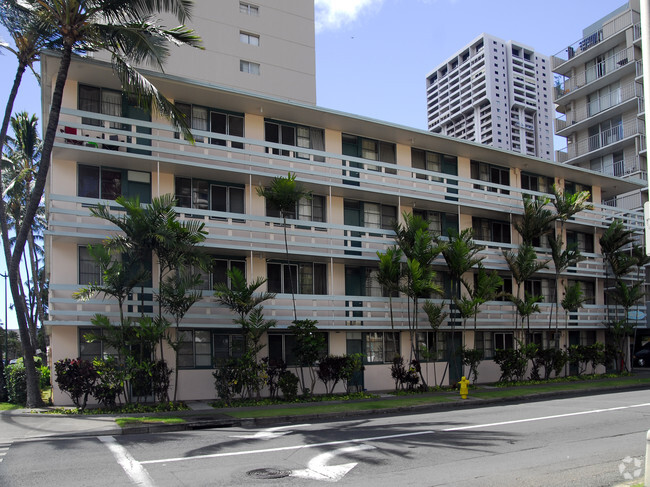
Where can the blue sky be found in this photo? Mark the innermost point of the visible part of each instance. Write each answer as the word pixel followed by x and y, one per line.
pixel 372 56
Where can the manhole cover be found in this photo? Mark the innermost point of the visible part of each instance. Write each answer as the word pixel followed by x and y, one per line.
pixel 268 473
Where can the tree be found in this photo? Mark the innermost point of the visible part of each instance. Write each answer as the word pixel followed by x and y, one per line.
pixel 562 258
pixel 415 241
pixel 436 317
pixel 309 347
pixel 283 195
pixel 460 253
pixel 389 276
pixel 22 157
pixel 536 220
pixel 523 264
pixel 245 300
pixel 124 29
pixel 155 229
pixel 617 262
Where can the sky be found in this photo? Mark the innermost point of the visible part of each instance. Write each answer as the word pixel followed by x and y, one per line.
pixel 372 56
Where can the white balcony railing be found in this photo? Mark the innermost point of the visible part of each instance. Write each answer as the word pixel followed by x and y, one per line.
pixel 608 137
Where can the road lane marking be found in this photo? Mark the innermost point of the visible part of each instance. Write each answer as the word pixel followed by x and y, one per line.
pixel 317 468
pixel 286 448
pixel 544 418
pixel 270 433
pixel 131 466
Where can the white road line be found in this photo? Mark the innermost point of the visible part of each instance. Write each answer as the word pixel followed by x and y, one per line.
pixel 286 448
pixel 131 466
pixel 544 418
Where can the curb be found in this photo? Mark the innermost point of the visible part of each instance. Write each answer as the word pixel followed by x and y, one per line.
pixel 210 421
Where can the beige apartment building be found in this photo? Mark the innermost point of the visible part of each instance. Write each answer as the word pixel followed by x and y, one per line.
pixel 364 174
pixel 599 97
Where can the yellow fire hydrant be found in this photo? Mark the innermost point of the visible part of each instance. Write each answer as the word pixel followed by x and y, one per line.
pixel 464 387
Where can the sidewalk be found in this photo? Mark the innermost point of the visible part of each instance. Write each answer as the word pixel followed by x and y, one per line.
pixel 25 424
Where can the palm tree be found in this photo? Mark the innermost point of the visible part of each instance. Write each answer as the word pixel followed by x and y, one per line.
pixel 460 253
pixel 22 157
pixel 389 277
pixel 125 30
pixel 154 229
pixel 536 220
pixel 284 194
pixel 562 258
pixel 436 317
pixel 612 242
pixel 523 264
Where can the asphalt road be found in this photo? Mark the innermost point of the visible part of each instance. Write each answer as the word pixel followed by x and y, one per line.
pixel 587 441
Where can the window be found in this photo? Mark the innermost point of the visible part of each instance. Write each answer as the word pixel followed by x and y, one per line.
pixel 249 67
pixel 282 348
pixel 89 271
pixel 541 287
pixel 380 347
pixel 225 346
pixel 490 173
pixel 371 149
pixel 439 223
pixel 252 39
pixel 201 349
pixel 535 182
pixel 483 341
pixel 89 350
pixel 307 209
pixel 491 230
pixel 195 349
pixel 572 188
pixel 433 161
pixel 218 273
pixel 297 136
pixel 214 121
pixel 588 289
pixel 107 184
pixel 583 241
pixel 248 9
pixel 307 278
pixel 503 341
pixel 207 195
pixel 100 100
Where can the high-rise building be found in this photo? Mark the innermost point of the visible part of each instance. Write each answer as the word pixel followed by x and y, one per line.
pixel 494 92
pixel 263 46
pixel 599 96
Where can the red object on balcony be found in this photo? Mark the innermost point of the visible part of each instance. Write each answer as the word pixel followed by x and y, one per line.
pixel 71 131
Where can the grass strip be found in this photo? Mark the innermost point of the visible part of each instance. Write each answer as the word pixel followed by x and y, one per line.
pixel 558 386
pixel 7 406
pixel 124 422
pixel 370 405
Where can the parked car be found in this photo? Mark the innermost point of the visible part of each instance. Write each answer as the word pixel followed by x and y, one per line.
pixel 642 356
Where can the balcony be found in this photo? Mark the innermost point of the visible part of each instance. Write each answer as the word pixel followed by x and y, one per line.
pixel 614 102
pixel 560 62
pixel 602 142
pixel 622 61
pixel 253 161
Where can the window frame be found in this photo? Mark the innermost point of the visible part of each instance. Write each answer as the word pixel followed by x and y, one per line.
pixel 203 187
pixel 289 134
pixel 299 272
pixel 286 340
pixel 129 181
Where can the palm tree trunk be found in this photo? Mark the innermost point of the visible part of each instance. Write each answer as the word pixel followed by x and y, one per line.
pixel 13 268
pixel 286 250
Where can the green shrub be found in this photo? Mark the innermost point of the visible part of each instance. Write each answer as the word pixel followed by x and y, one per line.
pixel 16 383
pixel 77 378
pixel 513 364
pixel 288 384
pixel 44 380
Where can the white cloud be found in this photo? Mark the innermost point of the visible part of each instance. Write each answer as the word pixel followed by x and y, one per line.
pixel 334 14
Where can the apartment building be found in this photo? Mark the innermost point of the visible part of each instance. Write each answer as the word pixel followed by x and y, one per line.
pixel 494 92
pixel 599 96
pixel 265 46
pixel 364 174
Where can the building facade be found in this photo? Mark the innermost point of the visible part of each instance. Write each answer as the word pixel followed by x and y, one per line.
pixel 266 46
pixel 363 174
pixel 494 92
pixel 599 96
